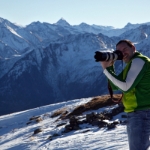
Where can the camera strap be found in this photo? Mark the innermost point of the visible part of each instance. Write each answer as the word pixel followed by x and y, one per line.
pixel 111 94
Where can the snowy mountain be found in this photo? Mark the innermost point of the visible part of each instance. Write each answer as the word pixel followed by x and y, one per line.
pixel 53 74
pixel 44 63
pixel 119 31
pixel 10 40
pixel 141 33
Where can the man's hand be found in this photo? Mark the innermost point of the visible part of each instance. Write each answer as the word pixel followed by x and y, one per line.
pixel 106 64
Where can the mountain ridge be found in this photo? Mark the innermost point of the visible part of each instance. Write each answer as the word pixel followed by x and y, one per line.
pixel 49 63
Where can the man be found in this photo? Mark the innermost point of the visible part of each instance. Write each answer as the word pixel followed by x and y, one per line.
pixel 134 82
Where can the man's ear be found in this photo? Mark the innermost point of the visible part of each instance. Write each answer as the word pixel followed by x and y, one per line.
pixel 133 47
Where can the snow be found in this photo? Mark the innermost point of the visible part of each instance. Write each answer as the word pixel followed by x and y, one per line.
pixel 15 134
pixel 146 35
pixel 13 31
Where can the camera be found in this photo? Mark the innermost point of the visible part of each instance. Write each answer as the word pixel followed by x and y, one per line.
pixel 106 56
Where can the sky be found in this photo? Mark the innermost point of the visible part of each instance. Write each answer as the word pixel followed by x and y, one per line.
pixel 15 134
pixel 114 13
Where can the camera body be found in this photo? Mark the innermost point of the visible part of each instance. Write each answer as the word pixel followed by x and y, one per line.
pixel 106 56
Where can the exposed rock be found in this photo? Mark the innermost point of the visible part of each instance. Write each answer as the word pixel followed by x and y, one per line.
pixel 94 104
pixel 37 131
pixel 61 124
pixel 34 119
pixel 62 111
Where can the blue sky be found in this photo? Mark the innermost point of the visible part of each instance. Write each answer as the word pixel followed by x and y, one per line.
pixel 114 13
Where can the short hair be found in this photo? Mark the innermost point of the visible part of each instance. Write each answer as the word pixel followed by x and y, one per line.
pixel 129 43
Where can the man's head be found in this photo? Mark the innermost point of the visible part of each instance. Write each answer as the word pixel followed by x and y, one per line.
pixel 127 48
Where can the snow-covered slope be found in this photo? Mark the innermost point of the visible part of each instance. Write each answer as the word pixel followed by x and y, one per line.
pixel 17 134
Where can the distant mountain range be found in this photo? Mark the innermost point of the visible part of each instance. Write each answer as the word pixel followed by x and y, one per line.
pixel 44 63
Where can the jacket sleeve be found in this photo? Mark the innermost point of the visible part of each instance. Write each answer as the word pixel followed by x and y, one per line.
pixel 134 75
pixel 114 87
pixel 112 70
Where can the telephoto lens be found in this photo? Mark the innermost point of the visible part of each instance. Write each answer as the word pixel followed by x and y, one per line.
pixel 106 56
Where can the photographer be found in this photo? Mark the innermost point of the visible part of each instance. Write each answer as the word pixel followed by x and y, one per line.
pixel 134 82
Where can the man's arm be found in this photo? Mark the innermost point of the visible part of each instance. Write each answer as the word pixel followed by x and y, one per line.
pixel 110 64
pixel 134 75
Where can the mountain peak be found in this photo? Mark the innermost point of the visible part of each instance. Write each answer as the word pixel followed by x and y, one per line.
pixel 3 20
pixel 62 22
pixel 131 26
pixel 83 24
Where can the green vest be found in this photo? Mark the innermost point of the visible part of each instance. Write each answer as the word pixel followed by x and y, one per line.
pixel 137 96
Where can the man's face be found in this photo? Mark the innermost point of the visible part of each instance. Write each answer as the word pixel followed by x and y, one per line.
pixel 126 50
